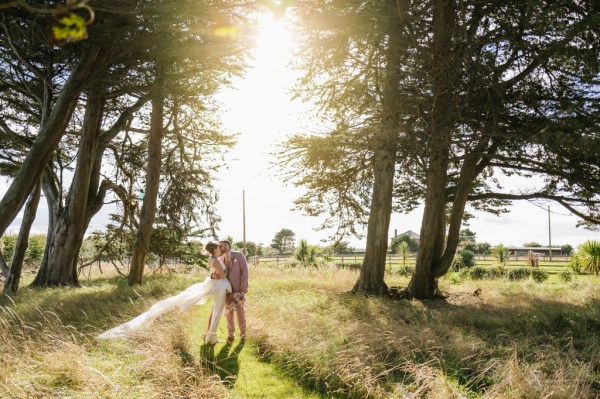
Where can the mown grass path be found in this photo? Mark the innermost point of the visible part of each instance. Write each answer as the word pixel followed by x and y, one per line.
pixel 241 368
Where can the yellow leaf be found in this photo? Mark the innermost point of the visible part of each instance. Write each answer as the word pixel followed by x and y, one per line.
pixel 69 27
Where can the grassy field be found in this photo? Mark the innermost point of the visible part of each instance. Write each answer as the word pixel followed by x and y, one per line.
pixel 309 338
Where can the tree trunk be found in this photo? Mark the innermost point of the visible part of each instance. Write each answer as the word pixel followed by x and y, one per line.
pixel 423 284
pixel 69 228
pixel 4 269
pixel 50 189
pixel 372 272
pixel 47 141
pixel 11 285
pixel 148 211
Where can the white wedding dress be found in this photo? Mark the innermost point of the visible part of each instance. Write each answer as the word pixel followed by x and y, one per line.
pixel 195 294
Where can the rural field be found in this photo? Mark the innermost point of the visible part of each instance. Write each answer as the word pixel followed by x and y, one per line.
pixel 309 338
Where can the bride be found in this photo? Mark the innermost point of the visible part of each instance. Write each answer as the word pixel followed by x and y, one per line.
pixel 199 293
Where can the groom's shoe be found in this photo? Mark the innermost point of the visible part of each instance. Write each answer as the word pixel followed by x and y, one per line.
pixel 230 339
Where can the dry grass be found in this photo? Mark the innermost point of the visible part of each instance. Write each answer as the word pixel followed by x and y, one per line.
pixel 515 340
pixel 47 349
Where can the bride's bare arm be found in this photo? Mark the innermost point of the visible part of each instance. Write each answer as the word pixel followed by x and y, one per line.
pixel 217 265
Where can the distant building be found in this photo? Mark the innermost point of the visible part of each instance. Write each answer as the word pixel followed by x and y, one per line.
pixel 544 251
pixel 409 233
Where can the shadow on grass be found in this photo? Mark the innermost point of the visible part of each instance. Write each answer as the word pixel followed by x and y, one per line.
pixel 436 331
pixel 224 363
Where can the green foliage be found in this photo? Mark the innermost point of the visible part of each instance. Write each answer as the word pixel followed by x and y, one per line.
pixel 350 266
pixel 463 259
pixel 483 248
pixel 283 241
pixel 413 245
pixel 468 245
pixel 404 251
pixel 532 244
pixel 341 247
pixel 406 271
pixel 575 264
pixel 307 254
pixel 566 249
pixel 588 255
pixel 539 276
pixel 468 258
pixel 467 235
pixel 519 273
pixel 565 276
pixel 8 242
pixel 35 248
pixel 497 272
pixel 251 247
pixel 501 253
pixel 475 273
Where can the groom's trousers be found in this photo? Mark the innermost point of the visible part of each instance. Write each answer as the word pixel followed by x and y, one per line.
pixel 217 312
pixel 241 316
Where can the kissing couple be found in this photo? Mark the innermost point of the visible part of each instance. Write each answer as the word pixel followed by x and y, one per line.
pixel 227 285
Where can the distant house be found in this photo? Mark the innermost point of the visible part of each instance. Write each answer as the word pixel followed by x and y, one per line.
pixel 409 233
pixel 544 251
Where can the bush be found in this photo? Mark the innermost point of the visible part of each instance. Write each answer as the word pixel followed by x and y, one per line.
pixel 539 276
pixel 478 273
pixel 575 264
pixel 468 257
pixel 520 273
pixel 406 271
pixel 462 259
pixel 497 272
pixel 566 276
pixel 457 263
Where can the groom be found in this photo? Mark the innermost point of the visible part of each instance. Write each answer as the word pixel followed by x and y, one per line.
pixel 237 273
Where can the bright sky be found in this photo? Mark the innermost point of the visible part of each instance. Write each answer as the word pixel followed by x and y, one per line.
pixel 260 109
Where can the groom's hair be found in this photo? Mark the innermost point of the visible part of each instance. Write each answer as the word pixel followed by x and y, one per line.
pixel 226 242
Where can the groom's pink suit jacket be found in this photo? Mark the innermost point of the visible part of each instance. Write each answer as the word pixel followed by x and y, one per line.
pixel 238 273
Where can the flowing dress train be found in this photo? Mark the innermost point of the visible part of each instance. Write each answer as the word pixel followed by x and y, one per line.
pixel 197 293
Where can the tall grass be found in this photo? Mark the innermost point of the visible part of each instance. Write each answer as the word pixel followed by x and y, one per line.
pixel 516 339
pixel 47 349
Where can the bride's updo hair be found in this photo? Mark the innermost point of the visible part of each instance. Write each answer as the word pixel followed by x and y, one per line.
pixel 210 247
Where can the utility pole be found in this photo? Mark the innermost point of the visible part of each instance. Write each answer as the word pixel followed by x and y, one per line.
pixel 244 219
pixel 549 233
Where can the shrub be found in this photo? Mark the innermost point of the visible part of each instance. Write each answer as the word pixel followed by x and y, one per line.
pixel 588 256
pixel 457 263
pixel 478 273
pixel 566 276
pixel 462 259
pixel 468 257
pixel 520 273
pixel 501 253
pixel 575 264
pixel 497 272
pixel 406 271
pixel 539 276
